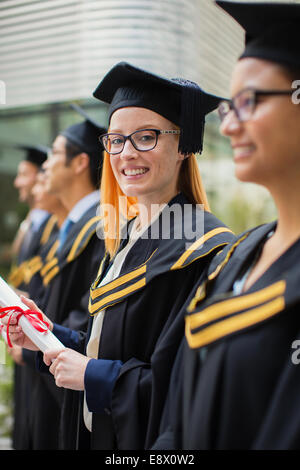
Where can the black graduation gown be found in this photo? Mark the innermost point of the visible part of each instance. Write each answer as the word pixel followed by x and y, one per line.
pixel 22 375
pixel 67 277
pixel 142 328
pixel 240 376
pixel 34 242
pixel 34 280
pixel 36 290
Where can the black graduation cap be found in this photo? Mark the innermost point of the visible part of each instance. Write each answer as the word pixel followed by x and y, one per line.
pixel 180 101
pixel 272 30
pixel 85 134
pixel 35 154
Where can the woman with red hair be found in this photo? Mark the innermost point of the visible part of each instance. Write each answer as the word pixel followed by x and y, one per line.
pixel 159 237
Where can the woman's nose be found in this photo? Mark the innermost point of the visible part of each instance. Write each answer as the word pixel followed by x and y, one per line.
pixel 231 124
pixel 16 182
pixel 129 150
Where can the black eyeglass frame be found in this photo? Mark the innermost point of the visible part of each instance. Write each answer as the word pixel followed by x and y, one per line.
pixel 126 137
pixel 255 94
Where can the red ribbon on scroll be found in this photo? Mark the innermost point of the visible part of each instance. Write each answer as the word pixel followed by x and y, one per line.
pixel 35 318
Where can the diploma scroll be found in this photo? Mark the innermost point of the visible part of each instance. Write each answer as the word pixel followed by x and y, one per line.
pixel 42 339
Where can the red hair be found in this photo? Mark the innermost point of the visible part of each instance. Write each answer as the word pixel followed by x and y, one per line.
pixel 189 183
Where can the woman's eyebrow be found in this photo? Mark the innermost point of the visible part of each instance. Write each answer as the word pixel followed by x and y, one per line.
pixel 138 128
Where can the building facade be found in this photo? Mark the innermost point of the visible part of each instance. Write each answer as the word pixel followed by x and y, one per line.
pixel 53 52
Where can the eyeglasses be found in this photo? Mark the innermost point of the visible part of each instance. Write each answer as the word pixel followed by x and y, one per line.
pixel 142 140
pixel 244 103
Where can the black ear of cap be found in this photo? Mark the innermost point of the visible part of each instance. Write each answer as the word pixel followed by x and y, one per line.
pixel 256 18
pixel 124 75
pixel 271 30
pixel 85 134
pixel 180 101
pixel 35 154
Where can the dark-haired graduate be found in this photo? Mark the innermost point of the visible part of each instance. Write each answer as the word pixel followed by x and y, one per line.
pixel 151 179
pixel 72 174
pixel 238 374
pixel 32 282
pixel 32 234
pixel 52 204
pixel 28 239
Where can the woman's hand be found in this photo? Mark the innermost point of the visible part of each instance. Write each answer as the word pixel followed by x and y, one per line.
pixel 16 353
pixel 68 367
pixel 16 333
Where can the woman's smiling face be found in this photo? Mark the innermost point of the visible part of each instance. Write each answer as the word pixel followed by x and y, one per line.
pixel 266 147
pixel 150 176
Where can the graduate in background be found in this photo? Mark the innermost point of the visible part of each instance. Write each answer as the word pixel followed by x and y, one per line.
pixel 238 374
pixel 25 246
pixel 52 204
pixel 32 282
pixel 152 263
pixel 72 174
pixel 27 241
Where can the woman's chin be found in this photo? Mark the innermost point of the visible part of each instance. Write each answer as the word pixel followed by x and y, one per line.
pixel 244 173
pixel 246 178
pixel 133 190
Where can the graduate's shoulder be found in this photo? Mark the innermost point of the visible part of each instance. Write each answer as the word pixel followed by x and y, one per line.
pixel 239 243
pixel 211 237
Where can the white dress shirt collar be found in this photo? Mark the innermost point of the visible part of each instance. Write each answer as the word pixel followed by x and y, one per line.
pixel 37 217
pixel 83 206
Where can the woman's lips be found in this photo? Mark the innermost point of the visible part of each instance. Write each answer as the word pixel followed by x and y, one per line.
pixel 242 151
pixel 133 172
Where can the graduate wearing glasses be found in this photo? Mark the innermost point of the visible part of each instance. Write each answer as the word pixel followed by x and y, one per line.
pixel 150 181
pixel 236 381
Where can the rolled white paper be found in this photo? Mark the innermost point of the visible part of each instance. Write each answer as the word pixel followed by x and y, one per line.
pixel 43 340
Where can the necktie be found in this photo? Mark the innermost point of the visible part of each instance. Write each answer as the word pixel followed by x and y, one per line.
pixel 64 232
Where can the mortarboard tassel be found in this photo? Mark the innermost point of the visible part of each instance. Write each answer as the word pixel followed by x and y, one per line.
pixel 192 121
